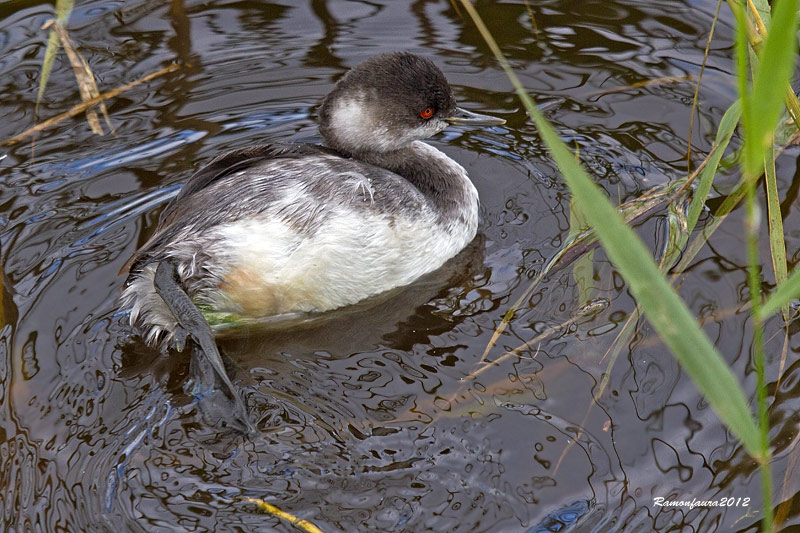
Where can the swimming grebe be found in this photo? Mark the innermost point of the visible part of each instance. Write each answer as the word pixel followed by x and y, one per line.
pixel 290 228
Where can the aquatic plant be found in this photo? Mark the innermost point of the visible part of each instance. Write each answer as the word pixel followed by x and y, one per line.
pixel 770 52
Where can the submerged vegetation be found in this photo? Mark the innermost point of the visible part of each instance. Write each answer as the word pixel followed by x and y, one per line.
pixel 769 50
pixel 90 95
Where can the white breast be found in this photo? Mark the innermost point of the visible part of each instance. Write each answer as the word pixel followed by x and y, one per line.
pixel 357 253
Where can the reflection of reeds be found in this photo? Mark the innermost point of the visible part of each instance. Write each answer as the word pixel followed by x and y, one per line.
pixel 83 106
pixel 85 77
pixel 699 83
pixel 63 10
pixel 87 86
pixel 83 73
pixel 667 80
pixel 773 57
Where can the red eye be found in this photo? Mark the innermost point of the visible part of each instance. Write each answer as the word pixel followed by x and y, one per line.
pixel 427 112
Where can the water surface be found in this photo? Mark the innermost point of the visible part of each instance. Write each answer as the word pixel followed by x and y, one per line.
pixel 368 423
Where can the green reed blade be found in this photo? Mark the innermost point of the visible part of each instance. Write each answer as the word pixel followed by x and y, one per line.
pixel 761 108
pixel 666 311
pixel 773 72
pixel 783 294
pixel 762 12
pixel 583 267
pixel 777 245
pixel 760 15
pixel 63 10
pixel 724 133
pixel 580 243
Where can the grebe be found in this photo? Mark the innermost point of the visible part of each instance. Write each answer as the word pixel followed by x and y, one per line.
pixel 279 229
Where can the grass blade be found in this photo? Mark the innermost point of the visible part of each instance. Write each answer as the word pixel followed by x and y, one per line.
pixel 772 74
pixel 580 243
pixel 761 109
pixel 63 10
pixel 730 203
pixel 784 293
pixel 776 243
pixel 83 106
pixel 696 96
pixel 665 310
pixel 759 11
pixel 583 267
pixel 83 75
pixel 724 133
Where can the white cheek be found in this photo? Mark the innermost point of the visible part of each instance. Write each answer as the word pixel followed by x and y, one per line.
pixel 348 118
pixel 355 126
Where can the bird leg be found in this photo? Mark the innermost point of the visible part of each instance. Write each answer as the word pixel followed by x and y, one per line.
pixel 206 361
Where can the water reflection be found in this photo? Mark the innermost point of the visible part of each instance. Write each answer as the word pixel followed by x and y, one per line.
pixel 369 422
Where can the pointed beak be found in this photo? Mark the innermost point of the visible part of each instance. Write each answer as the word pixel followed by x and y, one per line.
pixel 462 117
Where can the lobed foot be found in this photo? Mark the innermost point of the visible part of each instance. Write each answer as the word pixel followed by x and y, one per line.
pixel 207 366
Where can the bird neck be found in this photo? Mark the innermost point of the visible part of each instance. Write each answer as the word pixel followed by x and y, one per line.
pixel 439 178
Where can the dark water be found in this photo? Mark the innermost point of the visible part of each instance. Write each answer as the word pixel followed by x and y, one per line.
pixel 367 423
